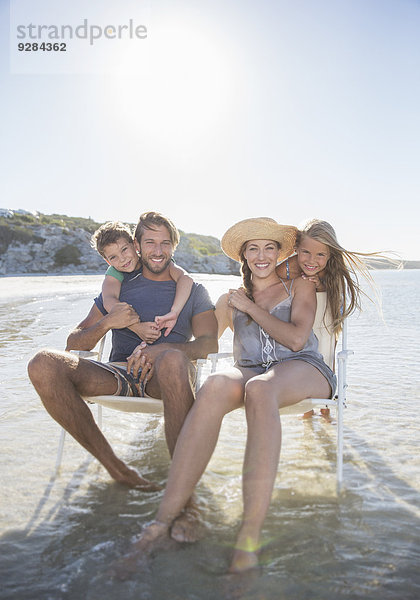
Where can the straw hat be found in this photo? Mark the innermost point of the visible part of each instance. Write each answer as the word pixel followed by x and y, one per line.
pixel 258 228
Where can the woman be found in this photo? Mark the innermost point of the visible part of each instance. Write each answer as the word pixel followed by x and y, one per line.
pixel 276 365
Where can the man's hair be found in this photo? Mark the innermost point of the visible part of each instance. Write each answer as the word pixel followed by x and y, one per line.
pixel 110 233
pixel 151 220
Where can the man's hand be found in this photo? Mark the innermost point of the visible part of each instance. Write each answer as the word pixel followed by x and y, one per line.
pixel 143 357
pixel 122 315
pixel 148 331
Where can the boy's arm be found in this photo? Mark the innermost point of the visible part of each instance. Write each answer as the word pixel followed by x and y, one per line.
pixel 184 285
pixel 111 288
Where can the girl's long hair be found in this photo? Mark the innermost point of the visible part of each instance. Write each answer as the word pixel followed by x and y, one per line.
pixel 342 271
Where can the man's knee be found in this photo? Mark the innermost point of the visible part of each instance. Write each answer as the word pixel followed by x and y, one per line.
pixel 172 359
pixel 173 365
pixel 175 376
pixel 42 366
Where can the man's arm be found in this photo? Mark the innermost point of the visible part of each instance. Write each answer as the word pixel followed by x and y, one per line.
pixel 87 334
pixel 204 328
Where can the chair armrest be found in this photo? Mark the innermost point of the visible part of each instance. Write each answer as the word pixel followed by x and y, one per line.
pixel 85 353
pixel 344 354
pixel 217 355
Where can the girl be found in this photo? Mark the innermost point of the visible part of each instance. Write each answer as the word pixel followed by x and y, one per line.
pixel 321 259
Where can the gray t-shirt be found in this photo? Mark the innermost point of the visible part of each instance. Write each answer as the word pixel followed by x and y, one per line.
pixel 149 299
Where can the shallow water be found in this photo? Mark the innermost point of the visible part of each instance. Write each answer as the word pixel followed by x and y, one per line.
pixel 60 536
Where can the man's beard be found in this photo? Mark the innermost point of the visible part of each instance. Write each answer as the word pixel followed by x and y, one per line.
pixel 156 268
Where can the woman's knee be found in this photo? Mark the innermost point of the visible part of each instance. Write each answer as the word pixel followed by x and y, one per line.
pixel 256 389
pixel 259 396
pixel 221 392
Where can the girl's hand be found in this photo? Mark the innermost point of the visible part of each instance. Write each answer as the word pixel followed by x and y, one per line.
pixel 238 299
pixel 315 279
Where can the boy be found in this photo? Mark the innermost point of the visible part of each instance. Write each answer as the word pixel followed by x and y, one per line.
pixel 114 242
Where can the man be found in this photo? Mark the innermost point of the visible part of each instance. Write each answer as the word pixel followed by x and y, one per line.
pixel 164 367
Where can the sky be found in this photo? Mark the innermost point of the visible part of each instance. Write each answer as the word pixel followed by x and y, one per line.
pixel 291 109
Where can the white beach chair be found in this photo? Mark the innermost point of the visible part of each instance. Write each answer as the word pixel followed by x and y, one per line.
pixel 336 360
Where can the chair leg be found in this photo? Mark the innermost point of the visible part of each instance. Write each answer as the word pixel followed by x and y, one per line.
pixel 60 450
pixel 100 416
pixel 340 431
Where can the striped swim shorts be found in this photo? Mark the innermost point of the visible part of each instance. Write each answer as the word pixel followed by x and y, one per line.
pixel 128 385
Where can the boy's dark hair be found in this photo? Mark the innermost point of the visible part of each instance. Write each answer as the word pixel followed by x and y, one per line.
pixel 110 233
pixel 151 220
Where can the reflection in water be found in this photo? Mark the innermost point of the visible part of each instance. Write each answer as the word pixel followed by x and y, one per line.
pixel 61 536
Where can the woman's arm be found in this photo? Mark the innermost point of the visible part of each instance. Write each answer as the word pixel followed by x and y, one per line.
pixel 223 315
pixel 293 335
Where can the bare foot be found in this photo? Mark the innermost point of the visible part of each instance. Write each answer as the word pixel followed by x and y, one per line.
pixel 150 539
pixel 126 566
pixel 325 412
pixel 186 527
pixel 243 560
pixel 308 414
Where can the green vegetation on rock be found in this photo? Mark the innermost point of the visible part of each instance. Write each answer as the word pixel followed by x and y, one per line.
pixel 67 255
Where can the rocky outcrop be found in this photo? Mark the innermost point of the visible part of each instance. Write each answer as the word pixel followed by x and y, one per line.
pixel 193 261
pixel 62 250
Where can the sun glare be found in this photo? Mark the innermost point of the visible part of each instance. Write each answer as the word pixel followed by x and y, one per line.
pixel 179 91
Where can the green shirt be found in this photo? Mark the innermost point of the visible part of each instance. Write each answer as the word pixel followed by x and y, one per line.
pixel 114 273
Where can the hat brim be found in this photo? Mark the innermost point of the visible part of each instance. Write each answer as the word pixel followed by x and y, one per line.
pixel 259 228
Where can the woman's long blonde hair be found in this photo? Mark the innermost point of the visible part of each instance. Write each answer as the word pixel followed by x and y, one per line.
pixel 341 279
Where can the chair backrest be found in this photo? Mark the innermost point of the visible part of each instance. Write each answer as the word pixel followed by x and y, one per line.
pixel 323 328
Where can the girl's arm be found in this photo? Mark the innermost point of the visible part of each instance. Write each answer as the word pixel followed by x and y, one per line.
pixel 293 335
pixel 183 290
pixel 293 271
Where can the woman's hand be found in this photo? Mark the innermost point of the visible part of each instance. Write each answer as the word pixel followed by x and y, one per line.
pixel 238 299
